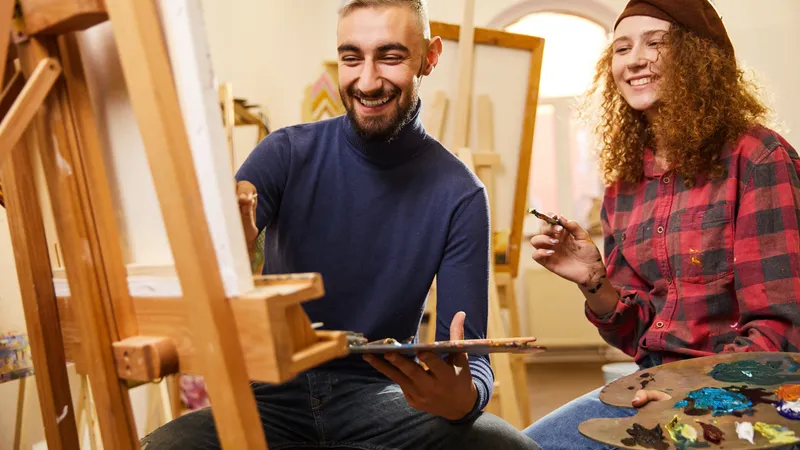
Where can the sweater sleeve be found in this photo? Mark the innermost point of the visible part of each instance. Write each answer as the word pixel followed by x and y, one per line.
pixel 267 168
pixel 463 285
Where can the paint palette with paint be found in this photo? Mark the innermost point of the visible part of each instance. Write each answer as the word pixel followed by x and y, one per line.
pixel 469 346
pixel 727 401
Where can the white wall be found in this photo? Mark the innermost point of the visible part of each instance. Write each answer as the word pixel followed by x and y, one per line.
pixel 271 49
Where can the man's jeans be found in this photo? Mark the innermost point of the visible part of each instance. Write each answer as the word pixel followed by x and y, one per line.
pixel 321 409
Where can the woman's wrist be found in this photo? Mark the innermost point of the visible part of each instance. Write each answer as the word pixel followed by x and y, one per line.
pixel 601 297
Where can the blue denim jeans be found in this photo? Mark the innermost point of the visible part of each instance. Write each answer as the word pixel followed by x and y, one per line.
pixel 559 429
pixel 322 409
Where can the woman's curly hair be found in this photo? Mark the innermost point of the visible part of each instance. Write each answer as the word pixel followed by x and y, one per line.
pixel 704 102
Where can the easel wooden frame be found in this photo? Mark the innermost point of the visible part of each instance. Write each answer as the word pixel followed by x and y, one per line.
pixel 513 41
pixel 117 338
pixel 510 370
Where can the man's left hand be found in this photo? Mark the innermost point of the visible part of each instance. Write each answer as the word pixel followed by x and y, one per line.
pixel 445 389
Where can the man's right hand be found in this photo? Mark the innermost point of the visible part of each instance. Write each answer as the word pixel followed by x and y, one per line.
pixel 248 200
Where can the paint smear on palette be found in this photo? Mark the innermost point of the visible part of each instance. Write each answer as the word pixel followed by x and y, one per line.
pixel 788 392
pixel 789 404
pixel 647 438
pixel 776 434
pixel 684 435
pixel 756 395
pixel 745 431
pixel 754 372
pixel 711 433
pixel 718 401
pixel 643 380
pixel 789 410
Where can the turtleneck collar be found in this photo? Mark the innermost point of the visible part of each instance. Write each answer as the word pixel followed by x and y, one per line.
pixel 409 141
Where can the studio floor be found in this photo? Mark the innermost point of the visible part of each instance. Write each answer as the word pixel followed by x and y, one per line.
pixel 554 384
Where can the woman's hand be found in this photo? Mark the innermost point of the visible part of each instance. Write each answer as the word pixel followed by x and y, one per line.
pixel 570 253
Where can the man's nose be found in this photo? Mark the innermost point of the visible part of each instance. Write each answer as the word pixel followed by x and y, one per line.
pixel 370 79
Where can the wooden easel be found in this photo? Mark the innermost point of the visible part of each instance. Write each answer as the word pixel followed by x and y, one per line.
pixel 120 340
pixel 235 113
pixel 483 161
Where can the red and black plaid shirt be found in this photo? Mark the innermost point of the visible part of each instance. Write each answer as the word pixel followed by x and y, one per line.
pixel 709 269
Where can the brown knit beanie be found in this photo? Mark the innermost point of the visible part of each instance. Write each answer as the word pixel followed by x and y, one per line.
pixel 697 16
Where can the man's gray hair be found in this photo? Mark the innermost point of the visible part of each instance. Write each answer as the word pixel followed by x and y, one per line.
pixel 419 7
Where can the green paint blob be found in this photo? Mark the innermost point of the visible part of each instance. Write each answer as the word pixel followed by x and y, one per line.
pixel 753 372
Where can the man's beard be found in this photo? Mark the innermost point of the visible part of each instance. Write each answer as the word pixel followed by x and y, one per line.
pixel 382 128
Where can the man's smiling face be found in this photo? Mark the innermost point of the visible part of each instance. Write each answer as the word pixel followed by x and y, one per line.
pixel 382 57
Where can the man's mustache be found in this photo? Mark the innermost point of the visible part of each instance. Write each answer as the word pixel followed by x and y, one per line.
pixel 372 95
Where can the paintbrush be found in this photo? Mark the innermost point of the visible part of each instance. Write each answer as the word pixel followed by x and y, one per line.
pixel 546 218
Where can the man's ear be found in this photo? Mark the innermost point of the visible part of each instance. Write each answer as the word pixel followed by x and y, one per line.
pixel 432 57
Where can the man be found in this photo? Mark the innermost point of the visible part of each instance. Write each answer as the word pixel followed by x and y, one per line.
pixel 379 208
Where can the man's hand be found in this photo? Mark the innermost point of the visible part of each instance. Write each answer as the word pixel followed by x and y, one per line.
pixel 248 200
pixel 445 389
pixel 643 397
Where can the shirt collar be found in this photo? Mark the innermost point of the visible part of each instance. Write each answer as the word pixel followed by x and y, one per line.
pixel 651 167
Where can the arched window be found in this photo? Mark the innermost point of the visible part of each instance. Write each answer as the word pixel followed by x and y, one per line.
pixel 565 175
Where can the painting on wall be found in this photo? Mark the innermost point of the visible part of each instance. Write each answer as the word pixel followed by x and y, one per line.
pixel 321 99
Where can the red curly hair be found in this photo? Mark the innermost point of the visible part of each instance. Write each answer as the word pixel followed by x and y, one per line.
pixel 704 102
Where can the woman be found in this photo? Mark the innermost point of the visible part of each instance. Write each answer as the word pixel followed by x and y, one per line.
pixel 700 216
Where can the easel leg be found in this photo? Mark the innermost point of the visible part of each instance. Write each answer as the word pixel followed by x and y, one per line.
pixel 509 301
pixel 58 147
pixel 38 299
pixel 146 67
pixel 18 428
pixel 501 362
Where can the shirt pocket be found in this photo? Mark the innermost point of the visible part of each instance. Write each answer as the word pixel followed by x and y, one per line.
pixel 702 249
pixel 636 249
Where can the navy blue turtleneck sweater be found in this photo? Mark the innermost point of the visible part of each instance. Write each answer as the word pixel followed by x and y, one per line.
pixel 378 220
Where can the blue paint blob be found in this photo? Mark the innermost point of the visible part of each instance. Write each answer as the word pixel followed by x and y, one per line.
pixel 718 401
pixel 789 410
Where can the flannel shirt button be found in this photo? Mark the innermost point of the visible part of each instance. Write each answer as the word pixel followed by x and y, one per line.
pixel 659 324
pixel 660 230
pixel 666 180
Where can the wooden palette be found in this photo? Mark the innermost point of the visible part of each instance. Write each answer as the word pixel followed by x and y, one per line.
pixel 469 346
pixel 771 371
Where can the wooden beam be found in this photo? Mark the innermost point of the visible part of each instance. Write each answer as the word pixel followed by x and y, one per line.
pixel 147 71
pixel 437 115
pixel 58 148
pixel 61 16
pixel 525 156
pixel 10 94
pixel 146 358
pixel 535 46
pixel 27 103
pixel 466 50
pixel 26 227
pixel 6 16
pixel 271 329
pixel 89 160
